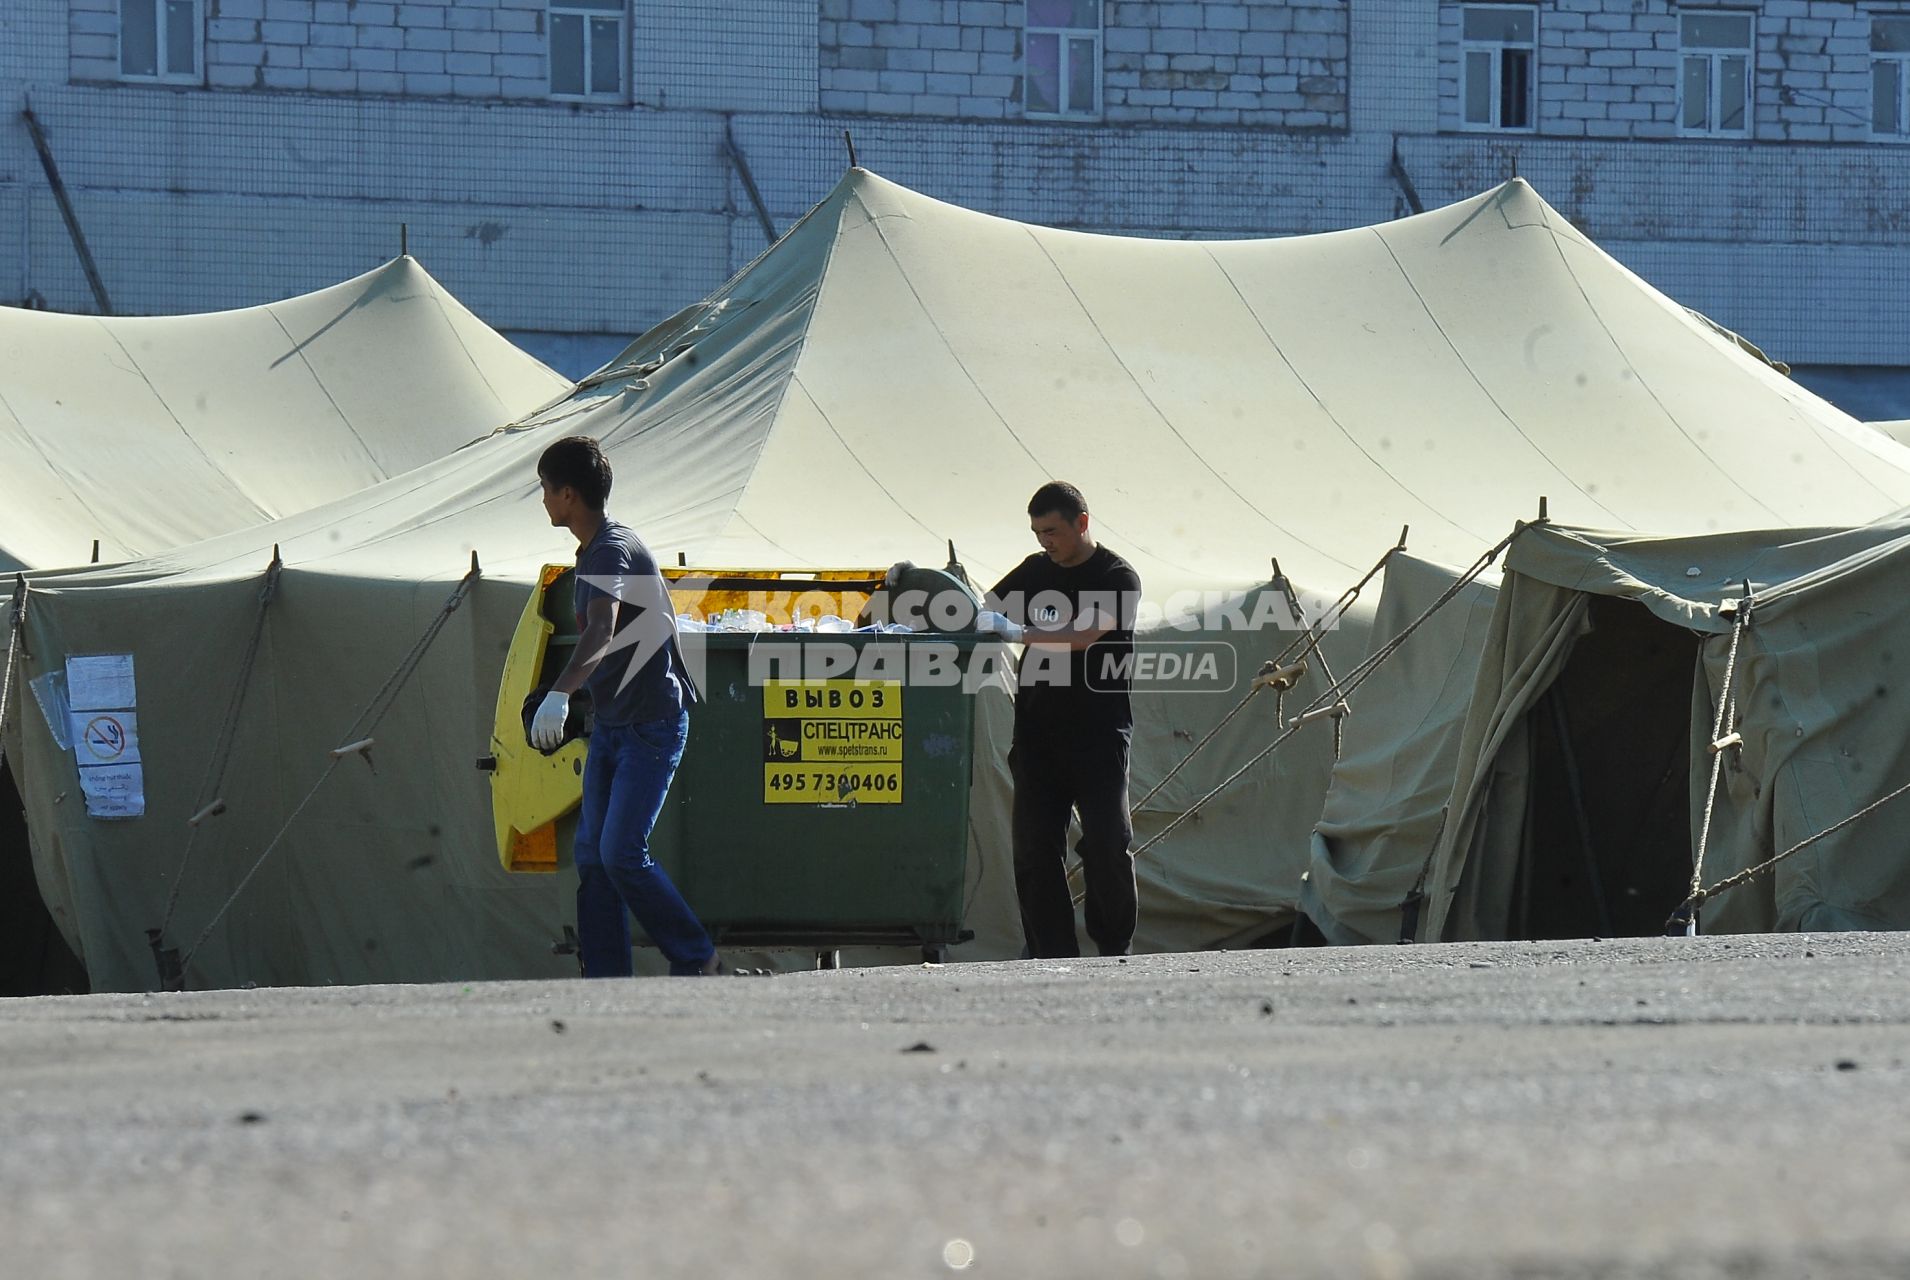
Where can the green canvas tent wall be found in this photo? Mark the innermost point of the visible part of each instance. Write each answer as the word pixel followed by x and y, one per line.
pixel 1386 804
pixel 150 432
pixel 1818 699
pixel 895 373
pixel 1549 770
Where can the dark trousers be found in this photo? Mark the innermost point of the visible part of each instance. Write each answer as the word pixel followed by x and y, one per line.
pixel 1085 773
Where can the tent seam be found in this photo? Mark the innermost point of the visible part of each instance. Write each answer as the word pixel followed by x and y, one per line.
pixel 983 394
pixel 1487 391
pixel 1315 397
pixel 1165 420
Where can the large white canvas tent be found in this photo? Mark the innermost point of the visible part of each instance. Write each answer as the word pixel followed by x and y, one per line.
pixel 1897 429
pixel 147 433
pixel 893 374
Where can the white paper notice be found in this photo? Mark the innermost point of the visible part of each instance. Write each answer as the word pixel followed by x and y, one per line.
pixel 100 682
pixel 105 733
pixel 114 790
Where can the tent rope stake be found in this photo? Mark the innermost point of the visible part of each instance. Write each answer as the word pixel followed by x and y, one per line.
pixel 1698 896
pixel 1727 703
pixel 358 736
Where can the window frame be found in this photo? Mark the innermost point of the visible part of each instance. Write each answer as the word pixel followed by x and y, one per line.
pixel 162 31
pixel 1713 56
pixel 1900 59
pixel 1064 37
pixel 1496 49
pixel 585 11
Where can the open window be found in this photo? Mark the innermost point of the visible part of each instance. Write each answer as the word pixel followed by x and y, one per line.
pixel 1062 59
pixel 1498 54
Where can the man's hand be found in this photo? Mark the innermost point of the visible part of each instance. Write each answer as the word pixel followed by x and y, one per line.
pixel 999 624
pixel 547 726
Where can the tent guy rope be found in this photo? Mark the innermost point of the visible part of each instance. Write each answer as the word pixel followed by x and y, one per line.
pixel 1279 673
pixel 1745 876
pixel 209 803
pixel 1331 699
pixel 16 625
pixel 1277 666
pixel 359 740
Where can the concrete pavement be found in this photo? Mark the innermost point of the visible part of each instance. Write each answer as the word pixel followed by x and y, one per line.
pixel 1680 1108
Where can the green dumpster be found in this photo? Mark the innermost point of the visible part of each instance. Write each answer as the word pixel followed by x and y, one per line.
pixel 822 800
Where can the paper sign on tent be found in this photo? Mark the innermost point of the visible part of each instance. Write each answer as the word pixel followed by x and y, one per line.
pixel 104 725
pixel 100 682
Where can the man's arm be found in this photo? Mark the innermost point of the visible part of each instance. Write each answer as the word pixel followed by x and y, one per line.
pixel 1090 627
pixel 1104 611
pixel 600 625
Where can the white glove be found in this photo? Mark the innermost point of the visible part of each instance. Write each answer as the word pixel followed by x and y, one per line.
pixel 547 726
pixel 998 623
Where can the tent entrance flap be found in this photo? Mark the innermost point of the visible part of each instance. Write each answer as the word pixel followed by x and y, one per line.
pixel 1606 848
pixel 34 957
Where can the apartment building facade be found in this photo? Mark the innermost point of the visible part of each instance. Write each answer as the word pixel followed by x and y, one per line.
pixel 578 169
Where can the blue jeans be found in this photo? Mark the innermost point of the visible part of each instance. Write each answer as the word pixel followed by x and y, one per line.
pixel 627 772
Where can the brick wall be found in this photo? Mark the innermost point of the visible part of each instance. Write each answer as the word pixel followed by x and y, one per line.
pixel 1813 81
pixel 419 48
pixel 605 220
pixel 1609 68
pixel 1266 63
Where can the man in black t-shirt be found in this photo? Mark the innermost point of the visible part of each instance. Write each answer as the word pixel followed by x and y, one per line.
pixel 1073 604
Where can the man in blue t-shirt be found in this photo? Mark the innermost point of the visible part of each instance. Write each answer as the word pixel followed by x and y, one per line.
pixel 627 656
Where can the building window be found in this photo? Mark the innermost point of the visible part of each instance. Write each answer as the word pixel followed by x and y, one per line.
pixel 1498 47
pixel 1062 53
pixel 1890 77
pixel 161 40
pixel 587 49
pixel 1714 81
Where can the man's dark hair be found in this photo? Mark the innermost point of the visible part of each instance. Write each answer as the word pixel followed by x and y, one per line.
pixel 1059 497
pixel 578 462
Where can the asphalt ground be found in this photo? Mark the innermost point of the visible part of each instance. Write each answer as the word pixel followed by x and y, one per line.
pixel 1717 1107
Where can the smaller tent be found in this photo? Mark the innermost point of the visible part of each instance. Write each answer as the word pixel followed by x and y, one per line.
pixel 1578 770
pixel 150 432
pixel 1387 798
